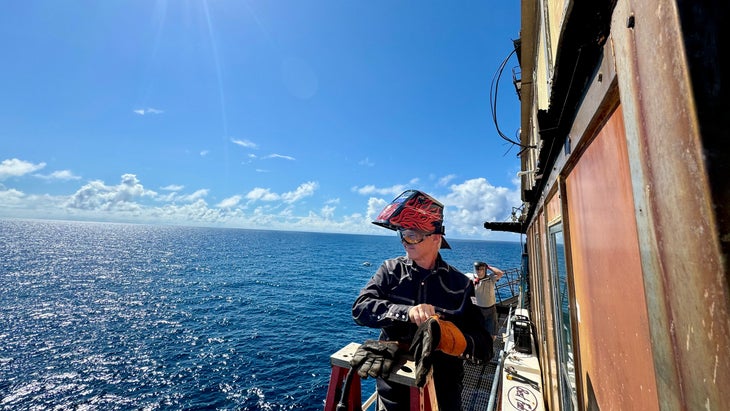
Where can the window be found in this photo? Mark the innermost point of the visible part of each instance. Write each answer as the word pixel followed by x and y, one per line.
pixel 561 312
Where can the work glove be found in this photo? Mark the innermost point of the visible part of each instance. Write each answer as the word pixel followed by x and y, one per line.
pixel 434 334
pixel 374 358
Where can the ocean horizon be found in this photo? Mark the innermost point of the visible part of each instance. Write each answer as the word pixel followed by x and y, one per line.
pixel 119 316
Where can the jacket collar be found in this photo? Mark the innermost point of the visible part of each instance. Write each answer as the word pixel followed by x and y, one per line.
pixel 440 264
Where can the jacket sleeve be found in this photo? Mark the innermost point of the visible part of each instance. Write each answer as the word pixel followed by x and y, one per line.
pixel 374 307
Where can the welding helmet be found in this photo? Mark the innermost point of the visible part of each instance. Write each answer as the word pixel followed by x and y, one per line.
pixel 414 210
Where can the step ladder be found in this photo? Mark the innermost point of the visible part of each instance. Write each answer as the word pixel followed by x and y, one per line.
pixel 403 372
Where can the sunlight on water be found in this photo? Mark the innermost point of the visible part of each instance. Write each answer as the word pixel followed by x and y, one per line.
pixel 112 316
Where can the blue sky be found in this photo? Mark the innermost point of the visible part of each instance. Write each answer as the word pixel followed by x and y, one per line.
pixel 287 115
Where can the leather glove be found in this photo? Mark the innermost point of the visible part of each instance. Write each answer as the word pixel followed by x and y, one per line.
pixel 432 335
pixel 374 358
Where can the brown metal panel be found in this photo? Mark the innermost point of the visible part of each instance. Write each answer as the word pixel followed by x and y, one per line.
pixel 615 346
pixel 553 209
pixel 548 287
pixel 542 309
pixel 687 292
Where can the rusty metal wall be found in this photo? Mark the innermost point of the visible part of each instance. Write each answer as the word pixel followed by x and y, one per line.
pixel 684 327
pixel 615 346
pixel 683 266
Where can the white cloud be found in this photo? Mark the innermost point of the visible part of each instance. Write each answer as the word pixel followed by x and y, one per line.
pixel 149 110
pixel 174 196
pixel 230 202
pixel 15 203
pixel 264 194
pixel 392 191
pixel 279 156
pixel 197 195
pixel 375 206
pixel 172 187
pixel 445 180
pixel 471 203
pixel 468 205
pixel 16 168
pixel 261 194
pixel 97 195
pixel 244 143
pixel 59 175
pixel 327 212
pixel 304 190
pixel 11 196
pixel 371 189
pixel 204 153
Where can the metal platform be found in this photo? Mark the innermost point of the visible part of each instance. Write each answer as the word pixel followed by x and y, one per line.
pixel 477 382
pixel 478 379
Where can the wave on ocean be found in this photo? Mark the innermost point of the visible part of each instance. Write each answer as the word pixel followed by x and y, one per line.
pixel 119 316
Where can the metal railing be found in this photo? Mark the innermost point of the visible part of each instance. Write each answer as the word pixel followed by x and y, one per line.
pixel 508 287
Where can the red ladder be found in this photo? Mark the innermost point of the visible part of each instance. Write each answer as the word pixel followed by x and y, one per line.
pixel 422 399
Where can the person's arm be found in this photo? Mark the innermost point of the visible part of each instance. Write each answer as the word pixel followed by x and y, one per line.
pixel 372 308
pixel 497 272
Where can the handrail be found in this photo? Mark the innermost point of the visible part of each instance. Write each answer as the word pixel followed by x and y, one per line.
pixel 511 281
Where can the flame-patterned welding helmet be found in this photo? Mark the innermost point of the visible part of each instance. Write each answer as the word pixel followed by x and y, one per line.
pixel 414 210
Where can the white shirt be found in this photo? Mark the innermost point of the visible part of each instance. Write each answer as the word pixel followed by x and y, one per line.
pixel 484 295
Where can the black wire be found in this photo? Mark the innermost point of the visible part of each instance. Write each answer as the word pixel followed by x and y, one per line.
pixel 494 88
pixel 493 101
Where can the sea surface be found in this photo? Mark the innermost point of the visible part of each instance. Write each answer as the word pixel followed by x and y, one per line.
pixel 100 316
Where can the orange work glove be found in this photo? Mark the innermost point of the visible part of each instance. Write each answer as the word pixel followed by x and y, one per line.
pixel 452 341
pixel 434 334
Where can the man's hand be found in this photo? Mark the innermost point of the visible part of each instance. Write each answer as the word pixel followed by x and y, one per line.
pixel 420 313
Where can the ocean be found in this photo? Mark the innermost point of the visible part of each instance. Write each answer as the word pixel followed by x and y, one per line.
pixel 102 316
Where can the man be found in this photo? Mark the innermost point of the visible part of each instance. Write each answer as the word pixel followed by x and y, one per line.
pixel 485 296
pixel 409 291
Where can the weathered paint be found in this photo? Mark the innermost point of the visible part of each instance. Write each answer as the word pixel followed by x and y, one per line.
pixel 615 346
pixel 680 348
pixel 687 292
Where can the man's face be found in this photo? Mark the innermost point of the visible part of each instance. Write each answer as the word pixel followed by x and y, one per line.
pixel 481 271
pixel 420 245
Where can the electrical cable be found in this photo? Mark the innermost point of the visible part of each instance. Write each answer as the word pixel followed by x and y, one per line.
pixel 494 88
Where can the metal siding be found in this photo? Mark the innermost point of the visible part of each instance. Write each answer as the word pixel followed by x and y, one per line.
pixel 614 332
pixel 548 296
pixel 683 267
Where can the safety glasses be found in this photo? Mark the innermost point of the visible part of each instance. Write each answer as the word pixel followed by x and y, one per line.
pixel 412 237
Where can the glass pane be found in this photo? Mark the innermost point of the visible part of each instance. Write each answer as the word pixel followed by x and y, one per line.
pixel 564 337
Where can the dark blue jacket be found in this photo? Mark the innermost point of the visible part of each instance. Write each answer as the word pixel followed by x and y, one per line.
pixel 400 284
